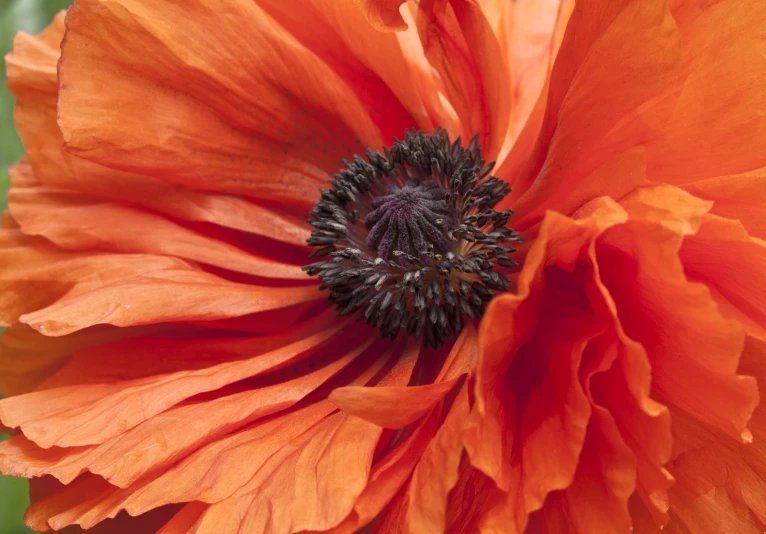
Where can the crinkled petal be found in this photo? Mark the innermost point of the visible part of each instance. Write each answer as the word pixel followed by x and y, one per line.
pixel 398 407
pixel 728 261
pixel 73 419
pixel 738 196
pixel 693 349
pixel 390 474
pixel 230 100
pixel 621 263
pixel 709 121
pixel 309 473
pixel 373 62
pixel 384 14
pixel 164 438
pixel 79 222
pixel 59 292
pixel 437 471
pixel 33 80
pixel 460 44
pixel 597 59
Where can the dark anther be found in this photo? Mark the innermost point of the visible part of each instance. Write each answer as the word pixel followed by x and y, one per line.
pixel 410 238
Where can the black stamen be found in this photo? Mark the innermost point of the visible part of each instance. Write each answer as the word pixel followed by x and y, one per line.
pixel 413 238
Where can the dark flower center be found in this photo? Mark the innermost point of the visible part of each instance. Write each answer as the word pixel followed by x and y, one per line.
pixel 410 219
pixel 411 238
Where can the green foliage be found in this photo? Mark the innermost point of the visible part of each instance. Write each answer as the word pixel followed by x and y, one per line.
pixel 18 15
pixel 30 16
pixel 14 499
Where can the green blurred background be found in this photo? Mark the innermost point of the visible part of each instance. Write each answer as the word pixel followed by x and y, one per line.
pixel 30 16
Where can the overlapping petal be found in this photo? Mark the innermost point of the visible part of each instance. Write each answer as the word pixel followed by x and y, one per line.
pixel 229 114
pixel 621 262
pixel 169 361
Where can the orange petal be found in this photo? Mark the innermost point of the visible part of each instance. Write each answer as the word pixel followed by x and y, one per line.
pixel 126 458
pixel 556 411
pixel 397 407
pixel 724 257
pixel 184 519
pixel 719 480
pixel 389 475
pixel 222 473
pixel 201 127
pixel 597 500
pixel 32 78
pixel 194 295
pixel 464 509
pixel 163 439
pixel 211 474
pixel 437 471
pixel 623 390
pixel 425 80
pixel 537 30
pixel 509 323
pixel 693 350
pixel 529 423
pixel 381 406
pixel 54 500
pixel 86 223
pixel 27 358
pixel 530 32
pixel 31 66
pixel 90 500
pixel 671 120
pixel 530 60
pixel 72 291
pixel 753 363
pixel 606 246
pixel 616 178
pixel 35 274
pixel 21 457
pixel 460 44
pixel 597 58
pixel 717 84
pixel 373 63
pixel 124 404
pixel 736 197
pixel 122 524
pixel 711 510
pixel 384 15
pixel 133 355
pixel 300 493
pixel 292 493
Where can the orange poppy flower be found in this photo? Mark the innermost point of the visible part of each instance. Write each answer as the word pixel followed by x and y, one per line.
pixel 171 367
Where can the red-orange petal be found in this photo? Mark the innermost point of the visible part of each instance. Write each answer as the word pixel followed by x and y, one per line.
pixel 597 500
pixel 309 471
pixel 693 349
pixel 59 292
pixel 33 80
pixel 508 324
pixel 460 44
pixel 597 58
pixel 437 471
pixel 79 222
pixel 727 260
pixel 163 439
pixel 378 70
pixel 389 475
pixel 738 197
pixel 61 423
pixel 201 123
pixel 27 358
pixel 397 407
pixel 384 14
